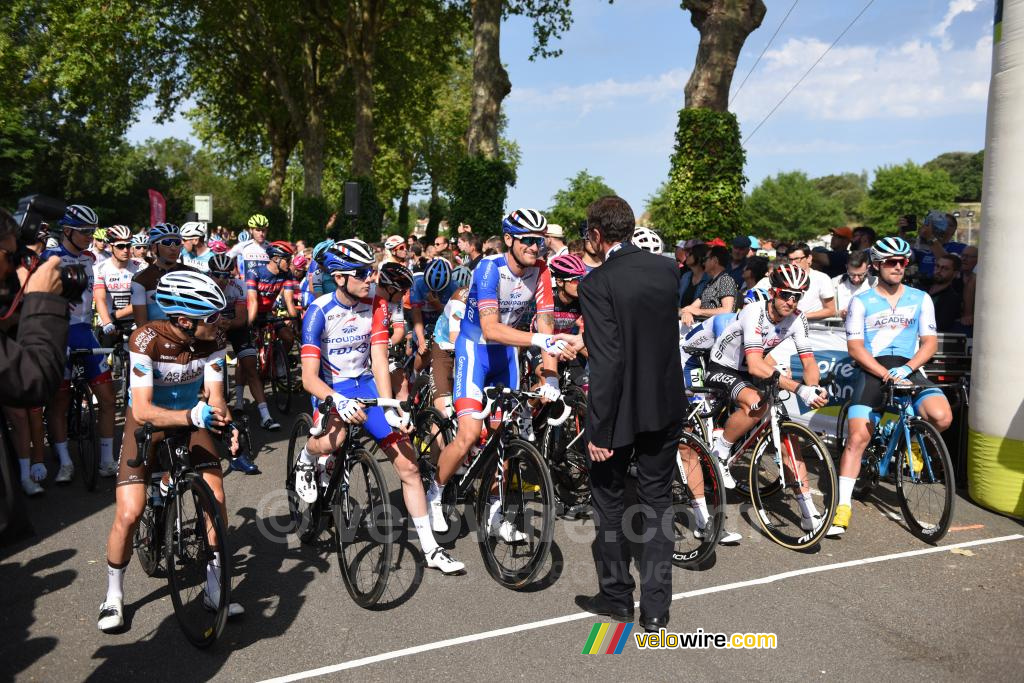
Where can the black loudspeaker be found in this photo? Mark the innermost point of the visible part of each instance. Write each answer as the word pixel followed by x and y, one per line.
pixel 351 199
pixel 191 216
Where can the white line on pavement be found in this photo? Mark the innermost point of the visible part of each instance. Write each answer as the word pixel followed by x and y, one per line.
pixel 496 633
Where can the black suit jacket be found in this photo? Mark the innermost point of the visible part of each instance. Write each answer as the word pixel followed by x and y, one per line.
pixel 631 328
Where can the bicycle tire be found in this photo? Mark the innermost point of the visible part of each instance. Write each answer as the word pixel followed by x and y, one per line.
pixel 689 551
pixel 86 439
pixel 148 535
pixel 362 524
pixel 565 452
pixel 186 554
pixel 778 509
pixel 305 519
pixel 428 442
pixel 538 537
pixel 931 524
pixel 281 378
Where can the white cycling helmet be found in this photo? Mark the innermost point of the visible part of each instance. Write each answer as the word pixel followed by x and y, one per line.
pixel 119 233
pixel 193 230
pixel 525 222
pixel 189 293
pixel 647 239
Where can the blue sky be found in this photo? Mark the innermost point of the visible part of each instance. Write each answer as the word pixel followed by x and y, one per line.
pixel 908 81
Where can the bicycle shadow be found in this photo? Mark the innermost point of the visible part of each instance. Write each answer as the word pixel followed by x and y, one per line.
pixel 17 608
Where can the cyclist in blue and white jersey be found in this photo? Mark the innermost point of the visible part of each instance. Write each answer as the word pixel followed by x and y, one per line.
pixel 487 348
pixel 171 360
pixel 165 246
pixel 196 253
pixel 890 333
pixel 430 292
pixel 446 331
pixel 78 225
pixel 312 286
pixel 345 356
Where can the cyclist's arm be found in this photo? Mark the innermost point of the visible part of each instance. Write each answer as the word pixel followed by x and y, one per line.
pixel 929 342
pixel 379 367
pixel 289 302
pixel 99 296
pixel 417 324
pixel 860 354
pixel 763 368
pixel 546 325
pixel 312 333
pixel 213 379
pixel 252 306
pixel 139 304
pixel 496 332
pixel 311 381
pixel 144 410
pixel 802 340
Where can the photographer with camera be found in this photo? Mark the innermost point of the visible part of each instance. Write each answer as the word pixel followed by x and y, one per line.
pixel 78 225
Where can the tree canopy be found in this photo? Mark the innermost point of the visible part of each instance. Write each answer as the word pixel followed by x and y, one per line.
pixel 570 204
pixel 965 171
pixel 790 207
pixel 906 189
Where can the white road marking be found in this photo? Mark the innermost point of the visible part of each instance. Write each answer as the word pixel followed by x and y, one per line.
pixel 496 633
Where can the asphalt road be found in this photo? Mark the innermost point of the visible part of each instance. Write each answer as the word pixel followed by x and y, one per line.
pixel 909 612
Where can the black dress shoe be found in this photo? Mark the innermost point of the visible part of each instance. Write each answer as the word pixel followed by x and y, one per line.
pixel 600 606
pixel 652 624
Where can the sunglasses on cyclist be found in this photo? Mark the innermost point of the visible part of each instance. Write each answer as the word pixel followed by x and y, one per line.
pixel 532 241
pixel 120 245
pixel 85 231
pixel 362 273
pixel 895 262
pixel 169 242
pixel 219 275
pixel 211 319
pixel 789 295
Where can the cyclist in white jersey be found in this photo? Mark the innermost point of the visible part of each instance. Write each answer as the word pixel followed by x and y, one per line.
pixel 890 333
pixel 345 357
pixel 195 253
pixel 486 350
pixel 112 287
pixel 738 360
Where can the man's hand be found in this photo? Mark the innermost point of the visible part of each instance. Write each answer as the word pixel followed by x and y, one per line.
pixel 421 346
pixel 233 447
pixel 598 454
pixel 330 221
pixel 46 279
pixel 686 317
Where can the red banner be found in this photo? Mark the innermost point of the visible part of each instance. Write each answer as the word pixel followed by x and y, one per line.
pixel 157 208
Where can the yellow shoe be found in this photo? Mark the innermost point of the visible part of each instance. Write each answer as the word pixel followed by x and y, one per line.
pixel 840 522
pixel 527 486
pixel 916 461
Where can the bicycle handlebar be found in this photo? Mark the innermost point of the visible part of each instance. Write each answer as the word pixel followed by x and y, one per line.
pixel 103 351
pixel 327 405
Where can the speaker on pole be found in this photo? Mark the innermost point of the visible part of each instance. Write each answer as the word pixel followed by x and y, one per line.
pixel 351 199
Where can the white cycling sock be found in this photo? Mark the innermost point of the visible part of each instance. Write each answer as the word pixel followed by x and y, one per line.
pixel 306 457
pixel 846 489
pixel 115 582
pixel 427 542
pixel 62 453
pixel 213 579
pixel 700 509
pixel 106 450
pixel 807 505
pixel 23 465
pixel 722 448
pixel 264 411
pixel 434 492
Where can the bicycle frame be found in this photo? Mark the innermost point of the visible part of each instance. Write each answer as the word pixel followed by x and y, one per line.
pixel 903 407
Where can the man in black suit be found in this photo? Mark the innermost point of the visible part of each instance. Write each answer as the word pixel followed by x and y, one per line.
pixel 635 404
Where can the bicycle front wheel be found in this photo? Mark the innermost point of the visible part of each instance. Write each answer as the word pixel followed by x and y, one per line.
pixel 194 533
pixel 305 519
pixel 925 482
pixel 281 378
pixel 793 492
pixel 698 527
pixel 146 542
pixel 515 515
pixel 83 433
pixel 362 523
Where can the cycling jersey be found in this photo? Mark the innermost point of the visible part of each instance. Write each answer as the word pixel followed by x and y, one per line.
pixel 419 297
pixel 117 281
pixel 495 286
pixel 394 307
pixel 891 330
pixel 199 262
pixel 449 321
pixel 234 294
pixel 249 255
pixel 700 336
pixel 311 285
pixel 267 286
pixel 81 313
pixel 175 369
pixel 144 289
pixel 567 316
pixel 98 254
pixel 754 332
pixel 340 336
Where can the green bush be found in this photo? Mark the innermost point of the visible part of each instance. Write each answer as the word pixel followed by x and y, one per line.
pixel 704 193
pixel 481 186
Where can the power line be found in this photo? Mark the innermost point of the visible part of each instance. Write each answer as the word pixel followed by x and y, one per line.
pixel 768 45
pixel 806 73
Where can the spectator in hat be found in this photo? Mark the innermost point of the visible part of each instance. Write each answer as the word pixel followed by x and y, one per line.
pixel 555 241
pixel 839 251
pixel 740 252
pixel 716 242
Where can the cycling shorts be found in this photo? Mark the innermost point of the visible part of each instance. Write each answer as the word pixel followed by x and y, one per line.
pixel 478 366
pixel 376 425
pixel 872 395
pixel 97 369
pixel 202 455
pixel 241 342
pixel 442 366
pixel 727 380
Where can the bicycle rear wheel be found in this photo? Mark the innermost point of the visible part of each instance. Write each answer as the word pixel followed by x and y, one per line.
pixel 148 533
pixel 192 516
pixel 429 438
pixel 698 475
pixel 515 531
pixel 564 448
pixel 82 430
pixel 281 378
pixel 806 466
pixel 305 519
pixel 364 533
pixel 925 482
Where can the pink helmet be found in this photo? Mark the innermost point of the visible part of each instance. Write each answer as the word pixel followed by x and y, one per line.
pixel 567 267
pixel 217 246
pixel 300 260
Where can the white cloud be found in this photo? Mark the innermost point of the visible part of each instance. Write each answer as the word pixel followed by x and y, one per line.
pixel 590 96
pixel 956 8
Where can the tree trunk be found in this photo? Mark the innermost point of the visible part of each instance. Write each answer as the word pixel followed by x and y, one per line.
pixel 724 26
pixel 490 80
pixel 403 214
pixel 314 140
pixel 433 213
pixel 281 146
pixel 363 147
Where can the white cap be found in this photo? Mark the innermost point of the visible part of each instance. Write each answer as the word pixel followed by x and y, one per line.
pixel 555 230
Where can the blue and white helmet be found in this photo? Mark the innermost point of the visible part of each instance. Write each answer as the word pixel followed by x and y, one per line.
pixel 348 256
pixel 163 230
pixel 189 293
pixel 462 276
pixel 888 247
pixel 244 236
pixel 754 295
pixel 140 240
pixel 437 274
pixel 525 222
pixel 79 216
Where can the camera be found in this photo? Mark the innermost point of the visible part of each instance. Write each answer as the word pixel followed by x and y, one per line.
pixel 33 216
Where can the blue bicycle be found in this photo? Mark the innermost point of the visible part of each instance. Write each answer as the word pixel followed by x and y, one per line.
pixel 923 470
